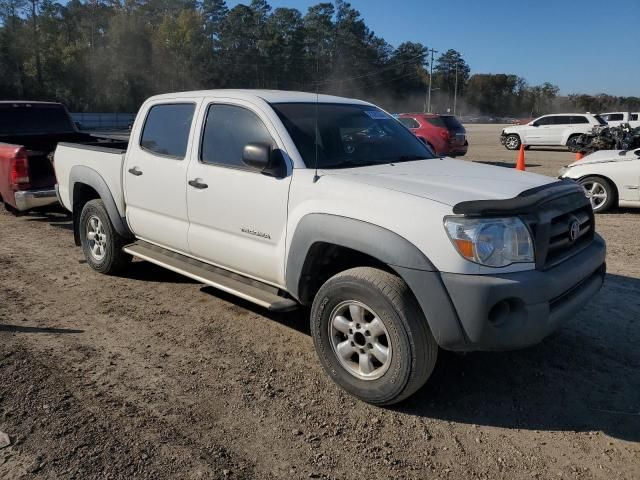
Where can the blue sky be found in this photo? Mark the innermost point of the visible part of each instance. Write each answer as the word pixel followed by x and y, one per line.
pixel 583 46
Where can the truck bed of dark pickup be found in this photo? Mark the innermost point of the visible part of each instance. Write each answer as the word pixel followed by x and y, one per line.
pixel 29 133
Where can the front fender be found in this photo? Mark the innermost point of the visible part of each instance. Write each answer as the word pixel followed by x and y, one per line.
pixel 398 253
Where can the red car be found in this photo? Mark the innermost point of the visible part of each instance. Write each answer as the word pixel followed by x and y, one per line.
pixel 443 133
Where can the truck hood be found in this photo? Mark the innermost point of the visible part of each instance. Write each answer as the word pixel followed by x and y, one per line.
pixel 604 156
pixel 445 180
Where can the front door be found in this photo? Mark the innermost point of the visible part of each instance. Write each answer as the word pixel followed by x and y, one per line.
pixel 155 177
pixel 237 214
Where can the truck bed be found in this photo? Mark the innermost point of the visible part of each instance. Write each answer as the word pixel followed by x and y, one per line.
pixel 104 159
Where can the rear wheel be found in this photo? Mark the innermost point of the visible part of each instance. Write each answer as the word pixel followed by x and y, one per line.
pixel 371 336
pixel 101 243
pixel 600 192
pixel 512 142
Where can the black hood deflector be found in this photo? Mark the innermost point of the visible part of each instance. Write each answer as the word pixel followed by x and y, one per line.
pixel 523 203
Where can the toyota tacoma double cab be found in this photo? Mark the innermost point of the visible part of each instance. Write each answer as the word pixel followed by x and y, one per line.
pixel 287 199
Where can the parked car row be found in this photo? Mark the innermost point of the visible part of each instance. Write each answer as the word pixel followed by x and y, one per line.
pixel 561 129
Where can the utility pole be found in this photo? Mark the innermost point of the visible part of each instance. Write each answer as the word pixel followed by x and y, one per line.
pixel 430 79
pixel 455 91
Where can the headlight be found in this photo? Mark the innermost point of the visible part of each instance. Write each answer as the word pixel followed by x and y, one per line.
pixel 563 170
pixel 494 242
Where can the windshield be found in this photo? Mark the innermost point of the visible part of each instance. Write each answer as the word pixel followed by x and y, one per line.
pixel 348 135
pixel 26 118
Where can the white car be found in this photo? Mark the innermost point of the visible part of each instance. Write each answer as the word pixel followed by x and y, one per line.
pixel 610 177
pixel 559 129
pixel 615 119
pixel 288 199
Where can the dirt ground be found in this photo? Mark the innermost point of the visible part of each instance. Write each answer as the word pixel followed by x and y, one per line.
pixel 150 375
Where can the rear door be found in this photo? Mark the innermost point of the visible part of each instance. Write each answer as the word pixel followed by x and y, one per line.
pixel 237 214
pixel 155 177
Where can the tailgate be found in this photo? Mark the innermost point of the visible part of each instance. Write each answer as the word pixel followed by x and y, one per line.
pixel 41 172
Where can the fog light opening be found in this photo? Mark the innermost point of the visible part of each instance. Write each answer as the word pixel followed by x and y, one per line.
pixel 504 310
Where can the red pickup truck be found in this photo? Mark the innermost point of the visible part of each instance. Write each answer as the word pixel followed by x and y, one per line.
pixel 29 132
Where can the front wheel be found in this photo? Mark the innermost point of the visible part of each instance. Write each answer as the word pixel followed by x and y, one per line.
pixel 101 243
pixel 371 336
pixel 512 142
pixel 600 192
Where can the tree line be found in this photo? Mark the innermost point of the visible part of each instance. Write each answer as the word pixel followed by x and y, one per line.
pixel 110 55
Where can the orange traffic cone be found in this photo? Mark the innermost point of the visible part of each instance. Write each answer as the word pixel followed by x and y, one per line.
pixel 579 156
pixel 520 164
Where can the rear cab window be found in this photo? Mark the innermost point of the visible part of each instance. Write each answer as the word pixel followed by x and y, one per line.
pixel 34 118
pixel 166 129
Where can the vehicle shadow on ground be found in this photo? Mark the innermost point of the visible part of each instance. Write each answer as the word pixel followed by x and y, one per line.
pixel 582 378
pixel 24 329
pixel 150 272
pixel 504 164
pixel 56 217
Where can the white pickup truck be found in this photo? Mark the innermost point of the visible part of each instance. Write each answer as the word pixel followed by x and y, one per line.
pixel 288 199
pixel 615 119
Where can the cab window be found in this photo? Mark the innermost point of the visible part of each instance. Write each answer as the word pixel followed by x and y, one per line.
pixel 228 129
pixel 166 129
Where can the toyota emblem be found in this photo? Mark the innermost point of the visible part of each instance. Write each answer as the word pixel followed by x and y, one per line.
pixel 574 231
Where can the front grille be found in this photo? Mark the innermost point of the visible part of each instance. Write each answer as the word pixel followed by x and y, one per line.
pixel 551 228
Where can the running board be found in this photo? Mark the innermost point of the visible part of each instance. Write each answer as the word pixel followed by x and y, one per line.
pixel 246 288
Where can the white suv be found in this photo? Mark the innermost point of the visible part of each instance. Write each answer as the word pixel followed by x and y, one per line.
pixel 561 129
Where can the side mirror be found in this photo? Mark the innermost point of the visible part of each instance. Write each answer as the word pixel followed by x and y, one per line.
pixel 263 158
pixel 78 125
pixel 532 124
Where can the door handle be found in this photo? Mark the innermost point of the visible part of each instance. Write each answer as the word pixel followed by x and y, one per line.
pixel 198 184
pixel 135 171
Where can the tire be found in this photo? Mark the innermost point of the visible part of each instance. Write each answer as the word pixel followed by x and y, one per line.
pixel 600 192
pixel 105 254
pixel 512 142
pixel 402 329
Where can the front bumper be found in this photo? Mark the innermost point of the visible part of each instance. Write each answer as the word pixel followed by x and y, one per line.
pixel 503 138
pixel 510 311
pixel 29 199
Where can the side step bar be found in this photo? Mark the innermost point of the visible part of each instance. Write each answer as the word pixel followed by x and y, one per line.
pixel 257 292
